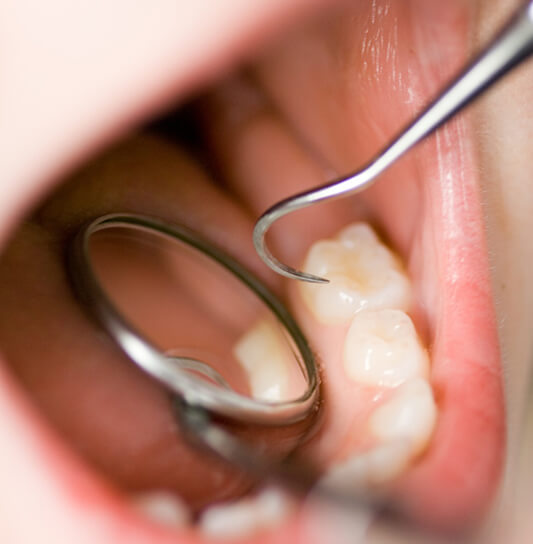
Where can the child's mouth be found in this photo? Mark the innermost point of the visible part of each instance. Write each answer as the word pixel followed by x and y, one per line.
pixel 338 88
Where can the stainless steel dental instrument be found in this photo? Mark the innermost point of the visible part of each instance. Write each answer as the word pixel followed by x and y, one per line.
pixel 511 46
pixel 193 381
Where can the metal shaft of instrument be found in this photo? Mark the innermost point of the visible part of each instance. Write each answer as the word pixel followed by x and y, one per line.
pixel 513 45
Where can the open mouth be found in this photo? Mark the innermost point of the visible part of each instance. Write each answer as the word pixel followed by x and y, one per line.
pixel 317 105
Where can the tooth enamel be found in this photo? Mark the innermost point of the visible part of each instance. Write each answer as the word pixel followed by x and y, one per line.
pixel 266 356
pixel 324 521
pixel 163 508
pixel 379 465
pixel 410 414
pixel 382 349
pixel 363 274
pixel 247 516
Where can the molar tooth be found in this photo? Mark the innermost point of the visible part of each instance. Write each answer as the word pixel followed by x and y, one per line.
pixel 377 466
pixel 266 356
pixel 162 507
pixel 383 349
pixel 247 516
pixel 363 274
pixel 410 415
pixel 324 521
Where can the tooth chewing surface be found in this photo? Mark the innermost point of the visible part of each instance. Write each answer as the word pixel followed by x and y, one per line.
pixel 382 349
pixel 247 516
pixel 364 275
pixel 377 466
pixel 265 355
pixel 162 507
pixel 410 415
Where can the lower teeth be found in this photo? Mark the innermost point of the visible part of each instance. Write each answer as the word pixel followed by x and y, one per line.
pixel 163 507
pixel 382 354
pixel 367 470
pixel 364 275
pixel 246 517
pixel 382 349
pixel 382 359
pixel 409 415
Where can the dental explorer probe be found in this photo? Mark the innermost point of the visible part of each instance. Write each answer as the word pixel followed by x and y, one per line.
pixel 508 49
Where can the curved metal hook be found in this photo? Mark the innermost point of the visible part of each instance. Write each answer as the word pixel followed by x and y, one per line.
pixel 332 191
pixel 511 46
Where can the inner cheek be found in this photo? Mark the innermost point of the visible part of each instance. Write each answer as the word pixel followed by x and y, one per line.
pixel 366 73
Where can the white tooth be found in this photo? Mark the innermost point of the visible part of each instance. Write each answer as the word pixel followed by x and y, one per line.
pixel 379 465
pixel 247 516
pixel 228 521
pixel 410 414
pixel 266 356
pixel 363 274
pixel 274 506
pixel 324 521
pixel 162 507
pixel 383 349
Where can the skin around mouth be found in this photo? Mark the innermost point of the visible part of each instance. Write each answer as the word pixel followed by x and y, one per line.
pixel 428 208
